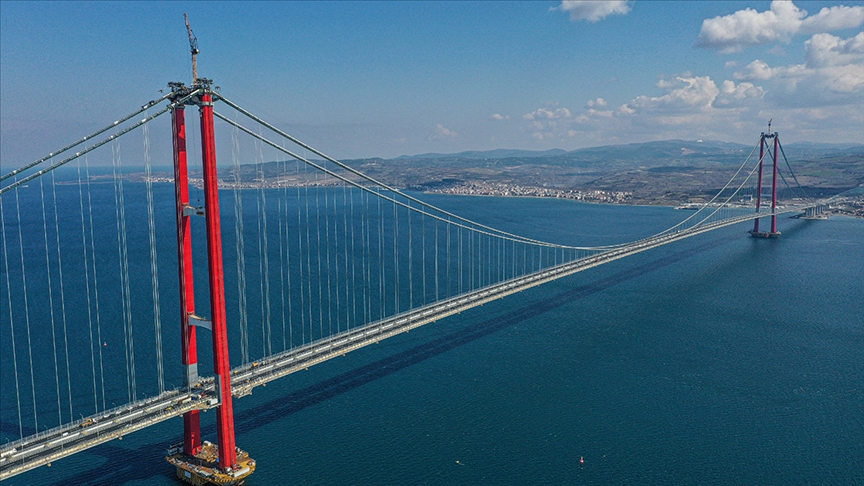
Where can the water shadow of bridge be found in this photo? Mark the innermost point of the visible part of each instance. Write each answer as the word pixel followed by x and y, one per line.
pixel 117 467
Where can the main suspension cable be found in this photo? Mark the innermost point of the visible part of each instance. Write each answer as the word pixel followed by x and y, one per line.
pixel 806 197
pixel 89 149
pixel 104 129
pixel 465 222
pixel 752 171
pixel 494 231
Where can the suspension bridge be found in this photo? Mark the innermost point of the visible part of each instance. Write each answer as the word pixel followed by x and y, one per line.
pixel 322 259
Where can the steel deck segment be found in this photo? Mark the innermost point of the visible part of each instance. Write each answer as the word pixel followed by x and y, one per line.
pixel 34 451
pixel 47 448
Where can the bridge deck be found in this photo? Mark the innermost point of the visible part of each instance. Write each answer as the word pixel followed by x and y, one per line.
pixel 54 444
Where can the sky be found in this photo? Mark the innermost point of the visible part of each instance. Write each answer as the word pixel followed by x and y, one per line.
pixel 383 79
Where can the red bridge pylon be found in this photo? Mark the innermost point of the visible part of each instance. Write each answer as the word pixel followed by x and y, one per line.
pixel 773 233
pixel 200 462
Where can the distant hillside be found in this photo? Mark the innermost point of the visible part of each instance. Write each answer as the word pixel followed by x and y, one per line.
pixel 488 154
pixel 663 172
pixel 810 150
pixel 656 172
pixel 649 150
pixel 663 149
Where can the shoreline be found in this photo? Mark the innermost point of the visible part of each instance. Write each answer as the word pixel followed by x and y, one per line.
pixel 512 196
pixel 594 196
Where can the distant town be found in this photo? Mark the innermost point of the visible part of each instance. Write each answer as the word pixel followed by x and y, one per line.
pixel 507 190
pixel 846 206
pixel 460 188
pixel 683 174
pixel 849 206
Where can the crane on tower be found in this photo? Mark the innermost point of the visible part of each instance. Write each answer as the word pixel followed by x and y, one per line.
pixel 193 45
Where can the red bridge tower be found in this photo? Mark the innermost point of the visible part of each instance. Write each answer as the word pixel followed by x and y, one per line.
pixel 762 143
pixel 200 462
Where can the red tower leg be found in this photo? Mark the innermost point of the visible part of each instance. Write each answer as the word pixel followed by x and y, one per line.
pixel 221 362
pixel 759 185
pixel 774 186
pixel 192 419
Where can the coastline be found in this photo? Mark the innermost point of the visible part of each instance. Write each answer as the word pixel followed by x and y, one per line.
pixel 851 206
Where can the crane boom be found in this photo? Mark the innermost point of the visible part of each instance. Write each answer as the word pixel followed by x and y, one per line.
pixel 193 45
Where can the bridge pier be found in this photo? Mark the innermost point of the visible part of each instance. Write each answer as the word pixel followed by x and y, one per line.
pixel 816 212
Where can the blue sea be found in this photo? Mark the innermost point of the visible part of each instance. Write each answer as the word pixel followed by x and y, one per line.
pixel 717 360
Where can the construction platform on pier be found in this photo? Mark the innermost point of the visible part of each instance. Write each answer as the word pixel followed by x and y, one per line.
pixel 203 467
pixel 764 234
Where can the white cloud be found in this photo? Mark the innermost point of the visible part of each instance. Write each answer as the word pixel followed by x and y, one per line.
pixel 499 117
pixel 442 133
pixel 748 27
pixel 834 18
pixel 591 115
pixel 729 64
pixel 756 70
pixel 625 110
pixel 736 113
pixel 688 99
pixel 547 114
pixel 731 33
pixel 824 50
pixel 730 94
pixel 685 93
pixel 547 123
pixel 806 100
pixel 834 67
pixel 593 10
